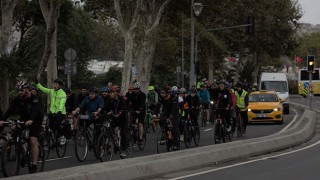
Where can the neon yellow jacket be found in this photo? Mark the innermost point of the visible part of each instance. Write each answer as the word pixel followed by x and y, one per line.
pixel 57 99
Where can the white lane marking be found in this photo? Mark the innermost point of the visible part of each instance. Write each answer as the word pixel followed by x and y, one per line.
pixel 293 120
pixel 247 162
pixel 55 159
pixel 208 129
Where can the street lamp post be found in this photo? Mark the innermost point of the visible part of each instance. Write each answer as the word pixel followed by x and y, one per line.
pixel 196 8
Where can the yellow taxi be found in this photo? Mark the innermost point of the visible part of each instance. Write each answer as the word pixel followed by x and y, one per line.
pixel 265 106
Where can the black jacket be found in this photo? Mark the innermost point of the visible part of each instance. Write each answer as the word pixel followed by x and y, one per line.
pixel 29 108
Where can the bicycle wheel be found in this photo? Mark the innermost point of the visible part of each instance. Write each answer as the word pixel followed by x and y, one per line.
pixel 42 156
pixel 239 127
pixel 81 145
pixel 130 143
pixel 10 159
pixel 196 135
pixel 144 139
pixel 61 146
pixel 46 140
pixel 203 120
pixel 161 142
pixel 105 146
pixel 187 136
pixel 217 133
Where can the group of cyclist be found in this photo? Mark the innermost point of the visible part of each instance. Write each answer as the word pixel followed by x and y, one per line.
pixel 170 103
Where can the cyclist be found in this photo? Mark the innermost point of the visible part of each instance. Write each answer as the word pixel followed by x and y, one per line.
pixel 242 104
pixel 116 108
pixel 106 95
pixel 57 113
pixel 182 102
pixel 254 87
pixel 224 103
pixel 138 108
pixel 71 101
pixel 84 93
pixel 193 106
pixel 152 102
pixel 31 112
pixel 93 104
pixel 204 97
pixel 170 110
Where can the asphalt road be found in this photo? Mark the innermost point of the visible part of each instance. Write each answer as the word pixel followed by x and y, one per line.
pixel 301 162
pixel 253 131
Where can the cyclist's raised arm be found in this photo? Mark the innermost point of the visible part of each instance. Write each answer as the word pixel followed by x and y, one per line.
pixel 43 89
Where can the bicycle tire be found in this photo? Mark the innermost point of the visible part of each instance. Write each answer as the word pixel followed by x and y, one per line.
pixel 196 135
pixel 130 143
pixel 47 144
pixel 161 142
pixel 42 155
pixel 105 146
pixel 187 136
pixel 144 139
pixel 217 136
pixel 240 127
pixel 60 148
pixel 14 159
pixel 81 145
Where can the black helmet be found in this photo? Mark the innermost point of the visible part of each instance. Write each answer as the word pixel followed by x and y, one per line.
pixel 58 81
pixel 193 90
pixel 239 84
pixel 67 90
pixel 95 90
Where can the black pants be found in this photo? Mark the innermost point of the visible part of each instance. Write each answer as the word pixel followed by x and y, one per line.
pixel 244 115
pixel 58 122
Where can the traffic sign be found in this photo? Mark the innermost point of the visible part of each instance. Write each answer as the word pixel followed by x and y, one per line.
pixel 70 54
pixel 311 87
pixel 70 67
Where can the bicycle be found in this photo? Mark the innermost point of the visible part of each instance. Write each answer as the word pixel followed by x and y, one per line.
pixel 105 142
pixel 220 131
pixel 133 134
pixel 85 139
pixel 165 138
pixel 55 140
pixel 240 127
pixel 191 131
pixel 16 152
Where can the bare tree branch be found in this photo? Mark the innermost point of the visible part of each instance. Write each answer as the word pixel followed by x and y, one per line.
pixel 158 17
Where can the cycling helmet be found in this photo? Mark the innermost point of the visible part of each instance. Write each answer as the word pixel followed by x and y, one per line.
pixel 174 90
pixel 95 90
pixel 239 84
pixel 202 86
pixel 182 91
pixel 193 90
pixel 105 89
pixel 151 88
pixel 223 82
pixel 21 85
pixel 58 81
pixel 136 85
pixel 115 88
pixel 67 90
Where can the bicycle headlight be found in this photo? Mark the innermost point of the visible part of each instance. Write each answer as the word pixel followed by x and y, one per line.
pixel 211 102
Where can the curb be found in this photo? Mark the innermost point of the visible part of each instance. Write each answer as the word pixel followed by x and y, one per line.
pixel 148 166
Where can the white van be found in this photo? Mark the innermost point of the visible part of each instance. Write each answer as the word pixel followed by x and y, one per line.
pixel 277 82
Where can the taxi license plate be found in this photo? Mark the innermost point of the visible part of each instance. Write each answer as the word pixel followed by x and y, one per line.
pixel 262 115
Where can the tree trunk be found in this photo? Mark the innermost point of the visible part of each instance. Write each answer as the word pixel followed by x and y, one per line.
pixel 7 8
pixel 145 61
pixel 127 64
pixel 51 12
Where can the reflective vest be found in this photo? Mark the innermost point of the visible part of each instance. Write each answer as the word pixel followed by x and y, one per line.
pixel 241 99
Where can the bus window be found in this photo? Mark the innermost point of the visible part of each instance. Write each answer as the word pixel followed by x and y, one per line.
pixel 304 75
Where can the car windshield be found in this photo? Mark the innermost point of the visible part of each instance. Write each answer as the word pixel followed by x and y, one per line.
pixel 278 86
pixel 263 98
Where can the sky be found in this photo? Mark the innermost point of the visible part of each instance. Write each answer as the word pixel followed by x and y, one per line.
pixel 311 12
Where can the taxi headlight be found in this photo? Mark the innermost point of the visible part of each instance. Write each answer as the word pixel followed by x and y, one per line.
pixel 277 109
pixel 249 109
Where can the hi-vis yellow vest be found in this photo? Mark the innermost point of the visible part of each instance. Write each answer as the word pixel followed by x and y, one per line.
pixel 241 99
